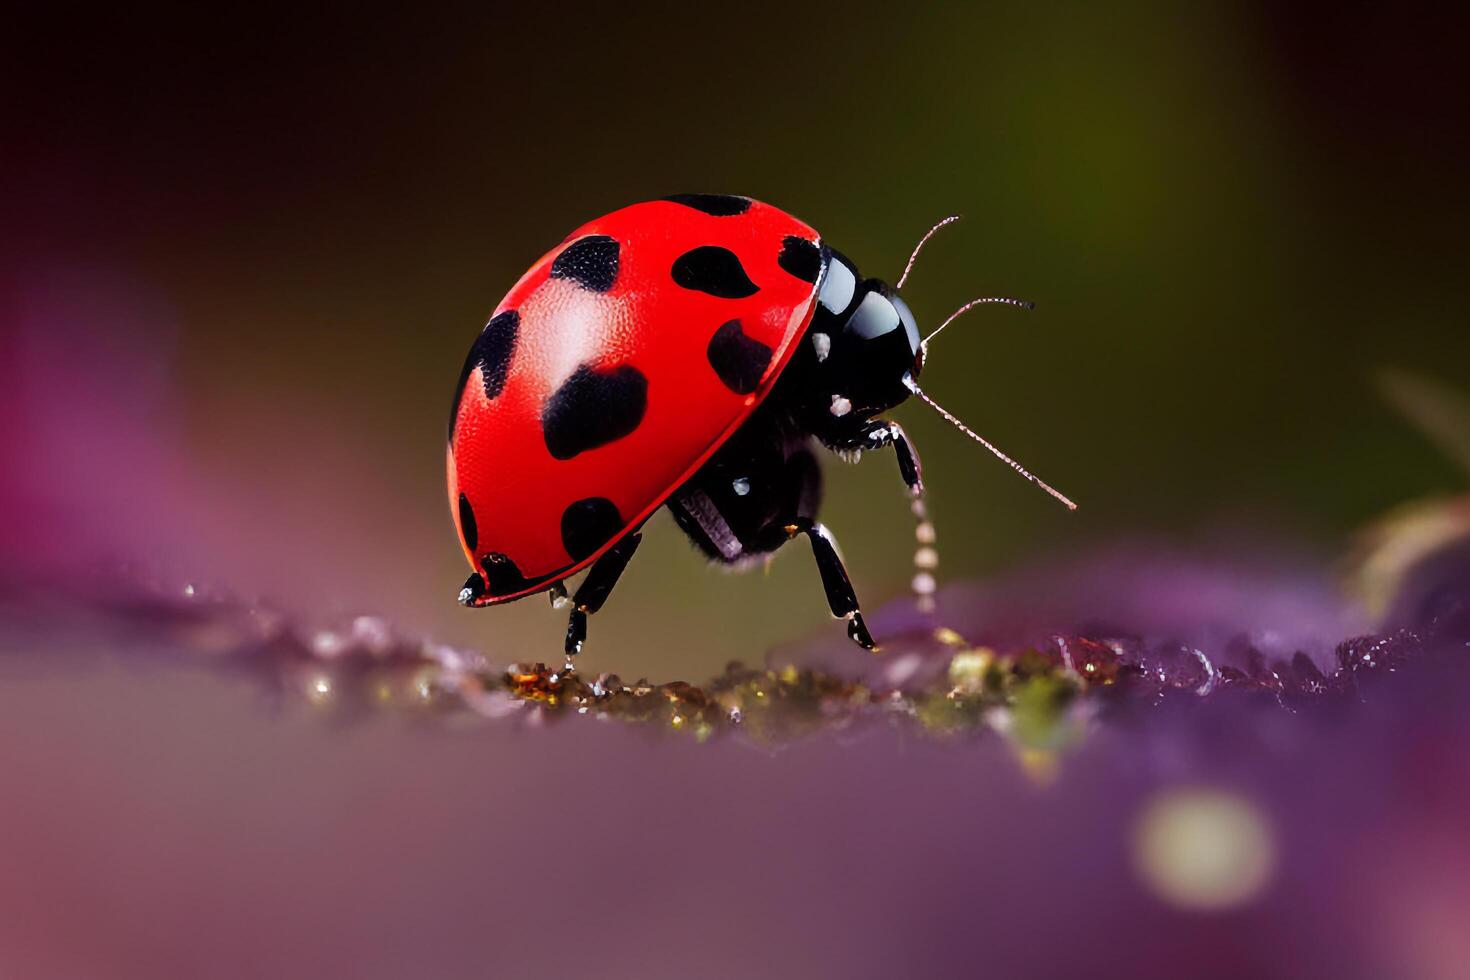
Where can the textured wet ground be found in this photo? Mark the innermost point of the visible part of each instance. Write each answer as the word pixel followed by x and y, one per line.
pixel 1133 767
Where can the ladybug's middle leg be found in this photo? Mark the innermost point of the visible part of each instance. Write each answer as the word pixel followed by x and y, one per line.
pixel 841 598
pixel 596 587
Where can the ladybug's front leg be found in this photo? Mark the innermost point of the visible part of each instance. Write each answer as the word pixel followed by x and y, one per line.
pixel 882 432
pixel 841 598
pixel 596 587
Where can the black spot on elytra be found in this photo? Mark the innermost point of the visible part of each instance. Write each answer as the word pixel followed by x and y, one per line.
pixel 714 270
pixel 719 205
pixel 467 523
pixel 592 408
pixel 740 361
pixel 590 262
pixel 493 350
pixel 589 524
pixel 496 346
pixel 800 257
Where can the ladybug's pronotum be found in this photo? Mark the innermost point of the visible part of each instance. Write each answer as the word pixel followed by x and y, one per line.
pixel 683 352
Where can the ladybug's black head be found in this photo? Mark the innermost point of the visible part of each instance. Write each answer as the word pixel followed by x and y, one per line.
pixel 865 341
pixel 866 353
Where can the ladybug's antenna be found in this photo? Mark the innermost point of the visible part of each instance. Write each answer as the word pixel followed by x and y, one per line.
pixel 1023 304
pixel 912 386
pixel 927 235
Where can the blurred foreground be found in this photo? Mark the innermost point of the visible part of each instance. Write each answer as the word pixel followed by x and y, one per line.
pixel 221 791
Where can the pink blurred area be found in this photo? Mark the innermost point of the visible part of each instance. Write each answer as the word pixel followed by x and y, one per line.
pixel 163 821
pixel 122 469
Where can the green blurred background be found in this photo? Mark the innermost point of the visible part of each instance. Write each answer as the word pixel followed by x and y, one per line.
pixel 1229 216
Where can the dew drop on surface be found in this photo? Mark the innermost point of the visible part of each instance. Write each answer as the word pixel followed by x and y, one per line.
pixel 319 689
pixel 1212 676
pixel 1094 661
pixel 1203 849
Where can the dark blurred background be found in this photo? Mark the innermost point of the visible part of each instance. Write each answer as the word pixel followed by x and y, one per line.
pixel 248 248
pixel 245 250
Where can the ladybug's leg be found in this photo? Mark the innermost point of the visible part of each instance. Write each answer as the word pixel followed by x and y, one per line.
pixel 841 598
pixel 876 435
pixel 882 432
pixel 760 490
pixel 596 587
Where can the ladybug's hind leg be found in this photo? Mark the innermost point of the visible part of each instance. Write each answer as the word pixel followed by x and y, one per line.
pixel 596 587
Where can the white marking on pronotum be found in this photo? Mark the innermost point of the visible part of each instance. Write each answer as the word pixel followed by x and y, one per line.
pixel 822 344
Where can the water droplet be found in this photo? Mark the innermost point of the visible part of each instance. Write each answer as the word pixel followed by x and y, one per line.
pixel 319 689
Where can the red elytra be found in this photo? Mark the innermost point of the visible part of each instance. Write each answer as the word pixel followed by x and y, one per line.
pixel 509 491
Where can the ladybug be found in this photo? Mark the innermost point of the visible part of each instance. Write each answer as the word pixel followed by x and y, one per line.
pixel 686 352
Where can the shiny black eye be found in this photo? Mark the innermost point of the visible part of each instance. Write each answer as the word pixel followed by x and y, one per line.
pixel 874 317
pixel 910 325
pixel 839 285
